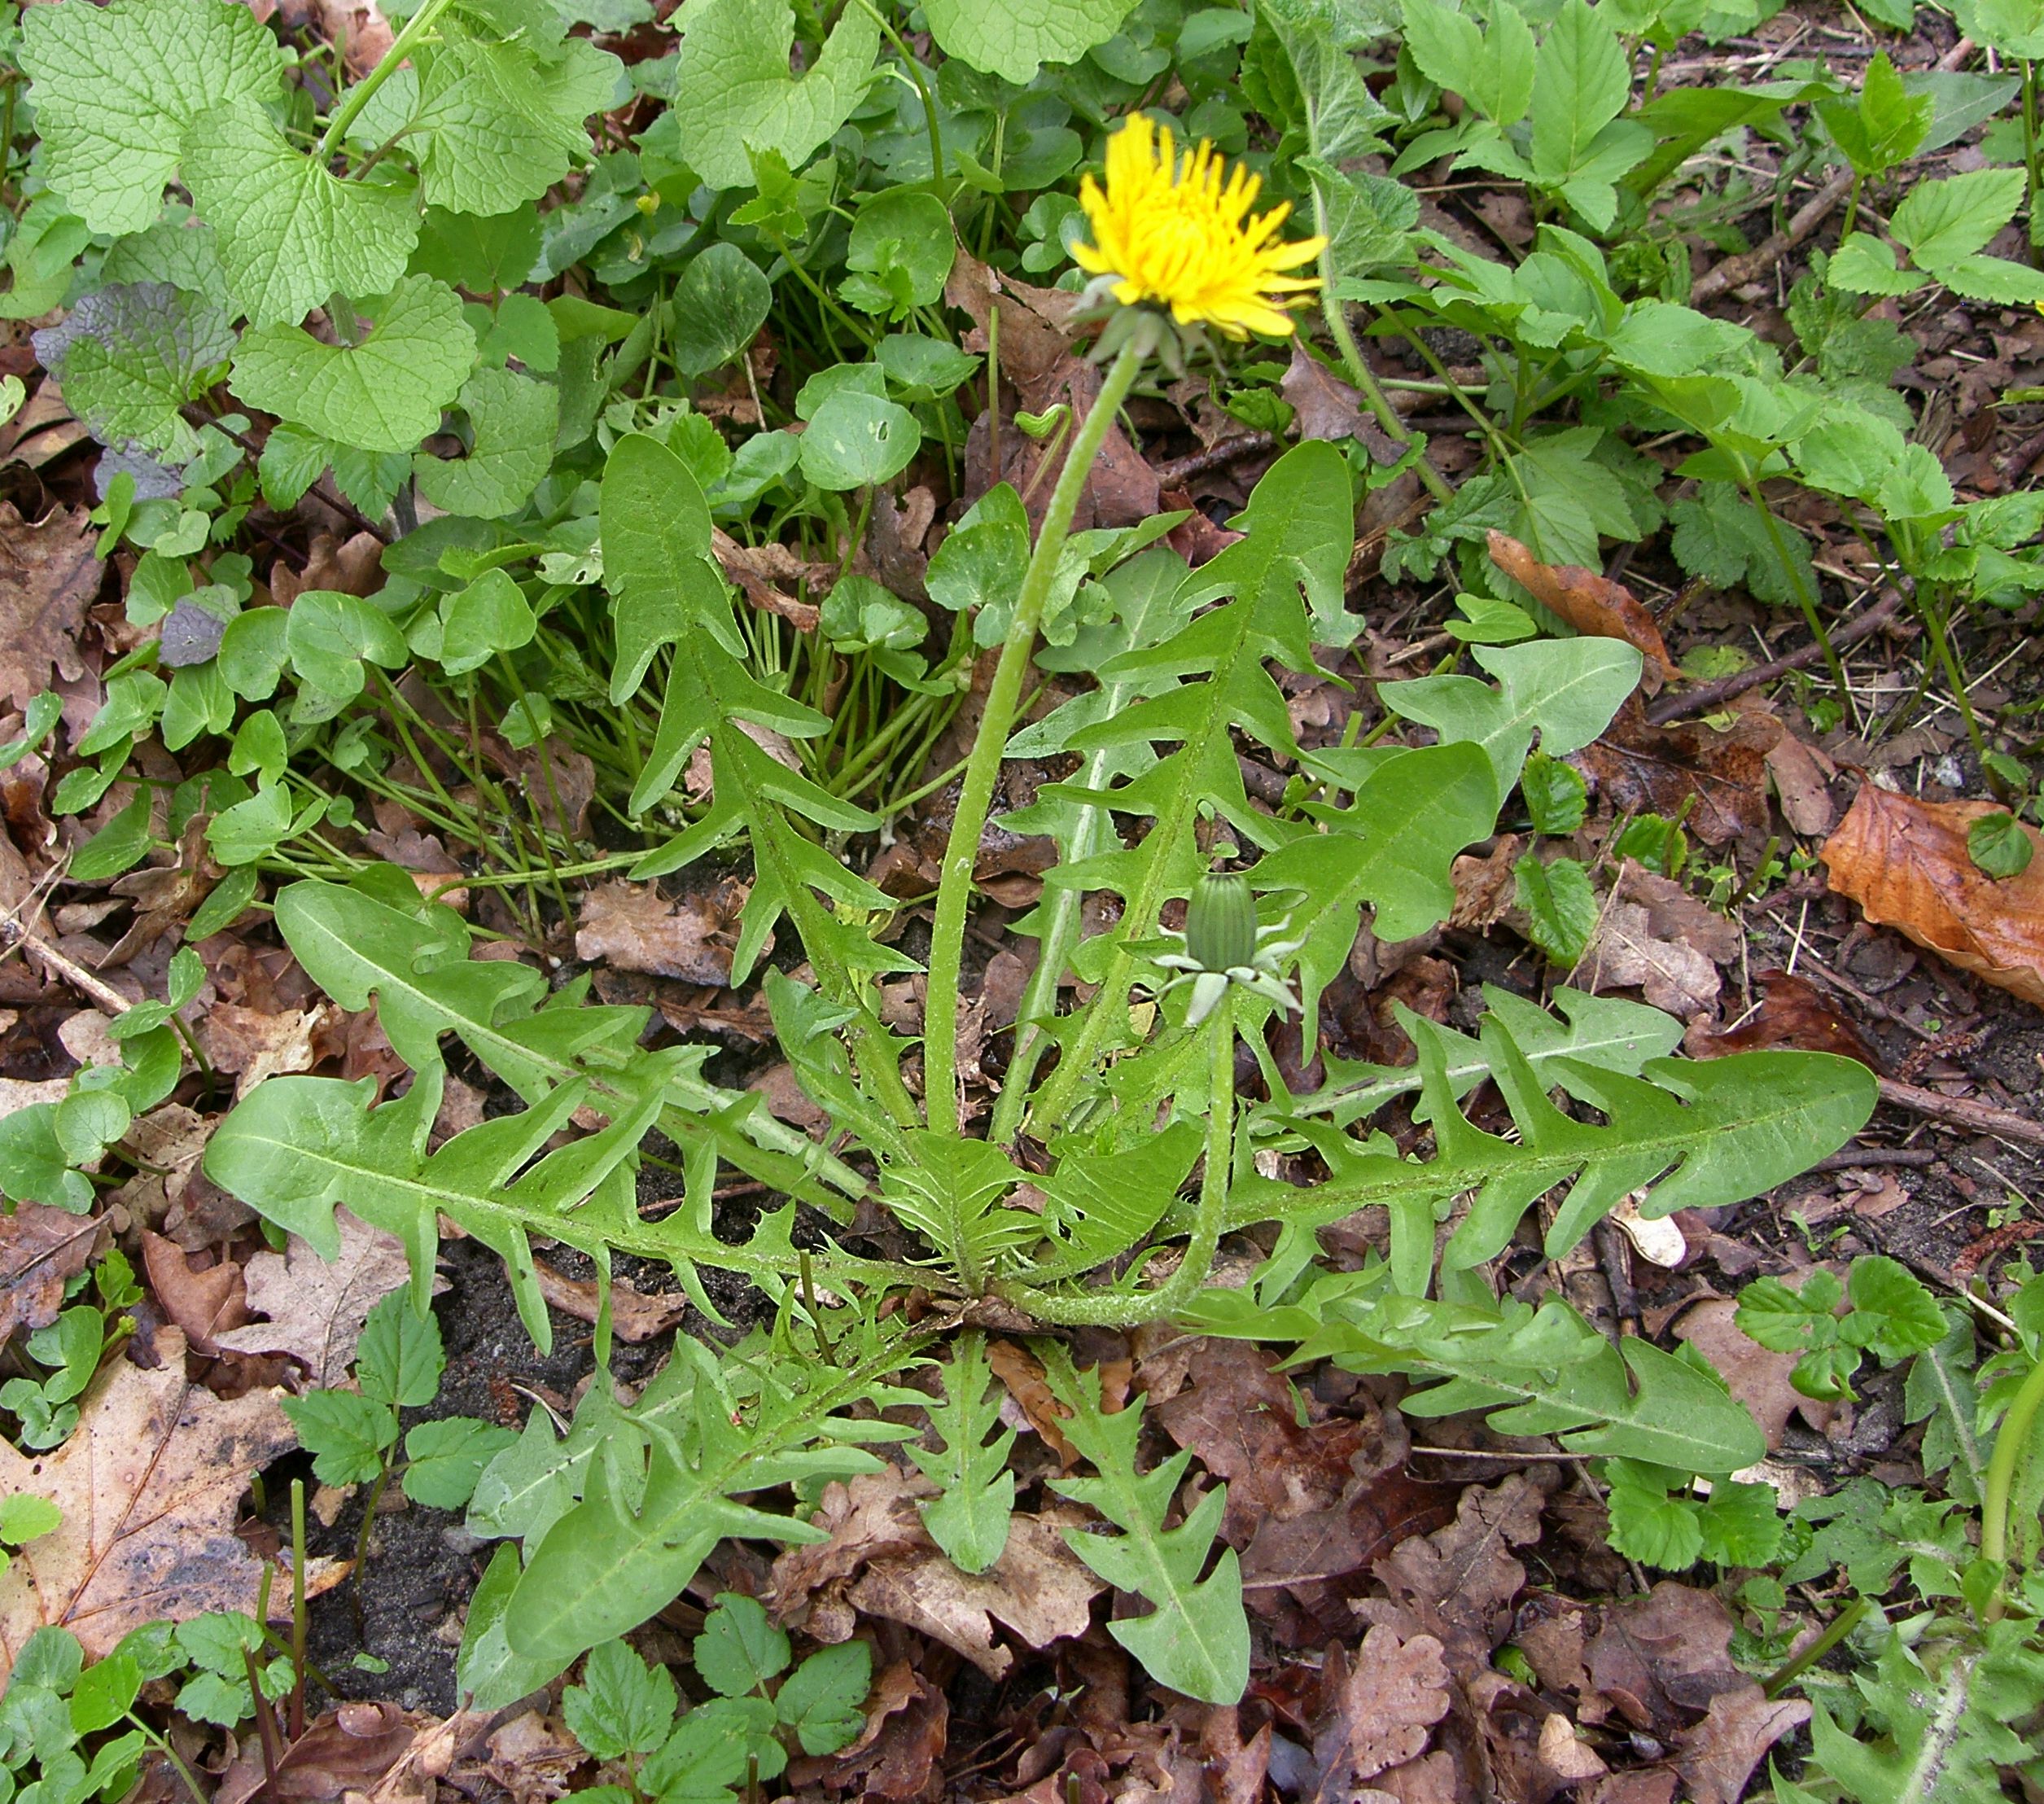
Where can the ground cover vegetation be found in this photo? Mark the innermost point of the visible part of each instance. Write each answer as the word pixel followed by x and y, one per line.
pixel 1046 903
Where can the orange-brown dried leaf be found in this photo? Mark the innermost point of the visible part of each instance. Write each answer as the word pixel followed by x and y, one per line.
pixel 1588 601
pixel 1792 1012
pixel 1020 1370
pixel 150 1483
pixel 1904 863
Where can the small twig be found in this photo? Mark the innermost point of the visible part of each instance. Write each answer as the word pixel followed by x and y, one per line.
pixel 1879 1155
pixel 75 974
pixel 327 493
pixel 1213 456
pixel 1736 271
pixel 1676 705
pixel 1979 1117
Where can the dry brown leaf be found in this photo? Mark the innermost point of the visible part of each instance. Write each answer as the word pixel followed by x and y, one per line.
pixel 1719 1754
pixel 531 1757
pixel 1663 1657
pixel 50 575
pixel 1589 601
pixel 1802 776
pixel 1904 863
pixel 870 1517
pixel 254 1045
pixel 1792 1012
pixel 348 1750
pixel 203 1303
pixel 150 1485
pixel 1459 1582
pixel 757 569
pixel 40 1248
pixel 1385 1706
pixel 1758 1379
pixel 907 1726
pixel 1326 407
pixel 317 1307
pixel 1716 780
pixel 634 927
pixel 634 1316
pixel 1023 1374
pixel 1037 1588
pixel 1655 936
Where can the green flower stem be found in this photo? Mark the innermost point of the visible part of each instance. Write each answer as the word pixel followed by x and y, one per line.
pixel 416 28
pixel 1335 314
pixel 2001 1480
pixel 961 852
pixel 1835 1631
pixel 1118 1309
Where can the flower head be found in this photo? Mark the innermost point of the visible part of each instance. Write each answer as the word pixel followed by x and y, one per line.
pixel 1168 230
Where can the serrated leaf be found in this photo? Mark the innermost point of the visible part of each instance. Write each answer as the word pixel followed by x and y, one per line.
pixel 627 1550
pixel 116 87
pixel 740 1650
pixel 1014 43
pixel 971 1520
pixel 1196 1640
pixel 734 94
pixel 446 1458
pixel 512 419
pixel 499 121
pixel 345 1433
pixel 824 1700
pixel 400 1358
pixel 1691 1133
pixel 130 356
pixel 383 393
pixel 623 1706
pixel 1647 1524
pixel 951 1191
pixel 1560 907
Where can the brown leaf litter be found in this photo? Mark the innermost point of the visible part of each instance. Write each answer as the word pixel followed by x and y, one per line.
pixel 150 1484
pixel 1905 862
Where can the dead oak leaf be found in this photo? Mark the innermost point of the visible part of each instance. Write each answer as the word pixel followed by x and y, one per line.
pixel 1758 1379
pixel 1716 780
pixel 150 1483
pixel 635 928
pixel 254 1045
pixel 317 1307
pixel 1905 863
pixel 1719 1755
pixel 1384 1708
pixel 204 1303
pixel 1459 1582
pixel 40 1248
pixel 50 575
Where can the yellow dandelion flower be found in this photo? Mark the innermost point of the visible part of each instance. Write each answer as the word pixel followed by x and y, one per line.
pixel 1170 231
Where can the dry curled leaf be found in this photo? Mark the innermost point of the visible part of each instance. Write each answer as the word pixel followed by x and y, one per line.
pixel 1038 1588
pixel 1716 782
pixel 1021 1372
pixel 150 1483
pixel 1384 1708
pixel 1589 601
pixel 1792 1012
pixel 635 1316
pixel 1459 1582
pixel 1904 863
pixel 1719 1755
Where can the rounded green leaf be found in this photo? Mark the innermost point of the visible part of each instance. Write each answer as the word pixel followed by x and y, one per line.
pixel 718 306
pixel 856 439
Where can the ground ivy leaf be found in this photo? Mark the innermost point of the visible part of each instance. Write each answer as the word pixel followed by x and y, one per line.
pixel 384 394
pixel 117 87
pixel 289 233
pixel 131 356
pixel 513 417
pixel 500 124
pixel 1014 43
pixel 732 90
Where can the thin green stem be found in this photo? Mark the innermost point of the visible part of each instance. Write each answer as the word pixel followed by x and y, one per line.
pixel 1361 375
pixel 1835 1631
pixel 2030 159
pixel 359 96
pixel 1804 598
pixel 982 767
pixel 1109 1309
pixel 922 88
pixel 2001 1481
